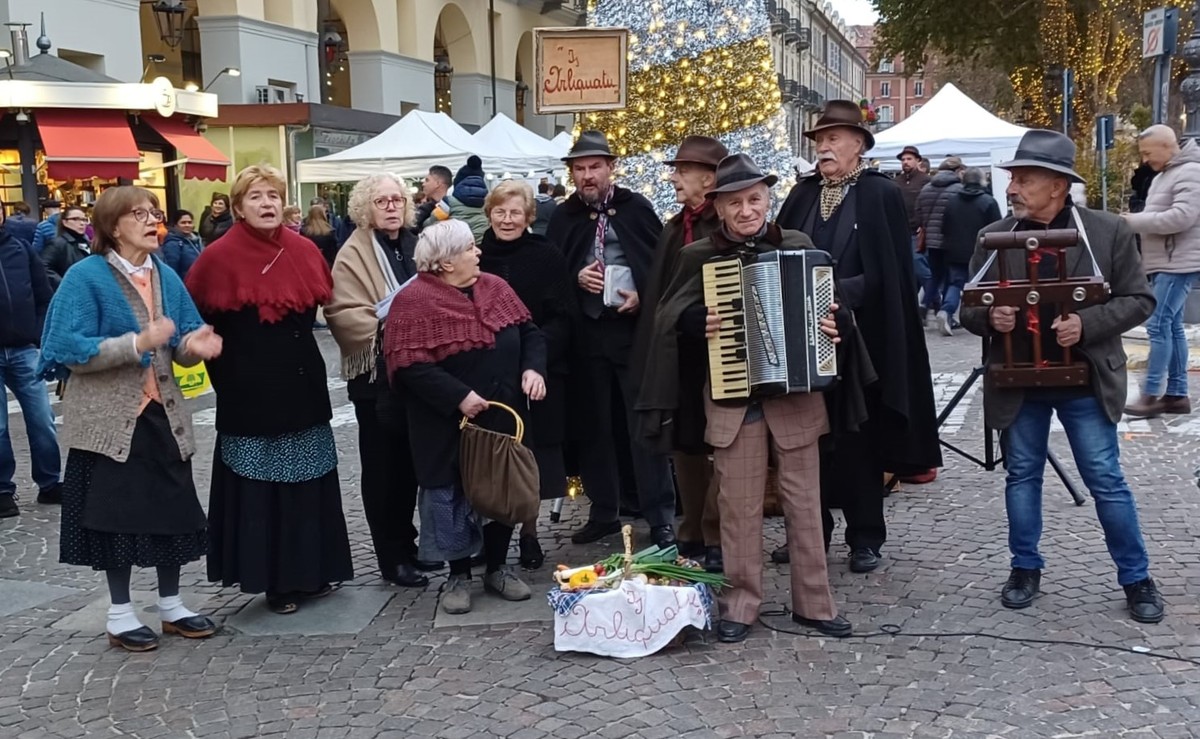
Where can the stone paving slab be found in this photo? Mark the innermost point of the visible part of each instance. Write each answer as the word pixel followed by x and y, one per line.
pixel 18 595
pixel 347 610
pixel 92 618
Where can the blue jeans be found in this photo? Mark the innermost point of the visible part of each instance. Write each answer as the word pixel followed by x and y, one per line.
pixel 921 271
pixel 1168 362
pixel 951 277
pixel 18 370
pixel 1093 441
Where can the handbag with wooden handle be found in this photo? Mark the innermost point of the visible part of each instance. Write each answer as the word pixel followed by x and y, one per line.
pixel 499 473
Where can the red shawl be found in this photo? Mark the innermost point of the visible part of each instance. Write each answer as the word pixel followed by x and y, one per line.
pixel 228 275
pixel 430 320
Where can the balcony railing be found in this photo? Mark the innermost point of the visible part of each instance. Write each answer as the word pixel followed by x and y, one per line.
pixel 803 36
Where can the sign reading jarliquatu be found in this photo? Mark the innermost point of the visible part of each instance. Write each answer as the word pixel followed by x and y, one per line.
pixel 580 69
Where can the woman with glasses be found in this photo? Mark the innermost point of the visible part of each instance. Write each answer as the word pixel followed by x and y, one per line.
pixel 69 246
pixel 371 265
pixel 275 508
pixel 117 322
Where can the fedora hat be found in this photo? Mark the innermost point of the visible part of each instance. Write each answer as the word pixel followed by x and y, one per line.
pixel 910 149
pixel 700 150
pixel 1048 150
pixel 590 144
pixel 737 172
pixel 843 113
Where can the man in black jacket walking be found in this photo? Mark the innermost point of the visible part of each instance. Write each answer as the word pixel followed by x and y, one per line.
pixel 967 212
pixel 24 297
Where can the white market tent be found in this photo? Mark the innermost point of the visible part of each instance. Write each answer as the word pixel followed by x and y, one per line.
pixel 950 124
pixel 562 143
pixel 506 146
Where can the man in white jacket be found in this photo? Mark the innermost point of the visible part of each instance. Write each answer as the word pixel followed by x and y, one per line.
pixel 1170 230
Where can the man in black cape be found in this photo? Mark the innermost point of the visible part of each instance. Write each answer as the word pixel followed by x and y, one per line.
pixel 607 234
pixel 858 216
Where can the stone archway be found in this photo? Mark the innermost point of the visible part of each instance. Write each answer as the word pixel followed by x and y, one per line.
pixel 460 87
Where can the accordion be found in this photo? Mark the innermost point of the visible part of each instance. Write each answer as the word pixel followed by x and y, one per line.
pixel 770 341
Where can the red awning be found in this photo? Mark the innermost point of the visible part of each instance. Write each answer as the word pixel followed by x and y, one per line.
pixel 87 143
pixel 204 161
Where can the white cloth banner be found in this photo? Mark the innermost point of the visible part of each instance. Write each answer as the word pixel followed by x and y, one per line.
pixel 634 620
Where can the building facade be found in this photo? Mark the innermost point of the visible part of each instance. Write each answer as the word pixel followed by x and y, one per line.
pixel 895 91
pixel 815 60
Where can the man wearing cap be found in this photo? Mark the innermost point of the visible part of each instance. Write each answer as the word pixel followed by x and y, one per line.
pixel 1042 173
pixel 931 215
pixel 679 429
pixel 858 216
pixel 744 434
pixel 608 233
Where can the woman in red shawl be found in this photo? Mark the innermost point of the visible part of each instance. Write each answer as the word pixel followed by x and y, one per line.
pixel 275 508
pixel 456 339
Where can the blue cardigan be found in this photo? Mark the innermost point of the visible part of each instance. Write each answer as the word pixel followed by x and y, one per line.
pixel 90 307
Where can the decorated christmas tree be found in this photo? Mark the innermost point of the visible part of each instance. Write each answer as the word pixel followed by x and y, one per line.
pixel 696 67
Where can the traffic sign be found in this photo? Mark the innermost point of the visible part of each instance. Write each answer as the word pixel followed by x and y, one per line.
pixel 1152 32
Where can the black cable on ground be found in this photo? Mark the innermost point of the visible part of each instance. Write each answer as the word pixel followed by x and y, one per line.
pixel 894 630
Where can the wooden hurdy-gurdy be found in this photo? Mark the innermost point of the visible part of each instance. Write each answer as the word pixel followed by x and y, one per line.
pixel 770 341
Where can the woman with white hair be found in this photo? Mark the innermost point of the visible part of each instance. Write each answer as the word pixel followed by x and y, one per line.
pixel 455 339
pixel 371 265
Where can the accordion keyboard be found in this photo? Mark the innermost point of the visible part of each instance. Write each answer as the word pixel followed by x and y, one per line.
pixel 729 370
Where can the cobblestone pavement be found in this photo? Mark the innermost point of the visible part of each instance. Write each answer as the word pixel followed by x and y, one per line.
pixel 953 670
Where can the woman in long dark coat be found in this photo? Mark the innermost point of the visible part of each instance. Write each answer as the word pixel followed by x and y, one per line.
pixel 455 339
pixel 537 272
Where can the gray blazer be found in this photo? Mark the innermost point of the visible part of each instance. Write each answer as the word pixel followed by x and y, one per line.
pixel 1130 303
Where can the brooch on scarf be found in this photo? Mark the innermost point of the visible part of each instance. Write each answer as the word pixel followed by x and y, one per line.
pixel 594 215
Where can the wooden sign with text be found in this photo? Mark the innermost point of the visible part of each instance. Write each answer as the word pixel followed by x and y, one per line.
pixel 580 69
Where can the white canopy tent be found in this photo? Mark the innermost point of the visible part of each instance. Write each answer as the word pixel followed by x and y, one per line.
pixel 562 143
pixel 506 146
pixel 950 124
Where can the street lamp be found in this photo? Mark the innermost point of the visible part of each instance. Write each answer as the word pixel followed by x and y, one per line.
pixel 169 16
pixel 442 71
pixel 231 71
pixel 1189 89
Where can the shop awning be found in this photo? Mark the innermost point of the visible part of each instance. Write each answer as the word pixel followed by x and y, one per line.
pixel 80 144
pixel 204 161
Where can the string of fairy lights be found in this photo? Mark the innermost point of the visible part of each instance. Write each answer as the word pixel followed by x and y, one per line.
pixel 697 67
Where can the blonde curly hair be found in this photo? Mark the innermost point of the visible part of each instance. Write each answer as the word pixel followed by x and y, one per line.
pixel 359 205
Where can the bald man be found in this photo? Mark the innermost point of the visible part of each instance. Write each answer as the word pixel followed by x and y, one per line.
pixel 1170 230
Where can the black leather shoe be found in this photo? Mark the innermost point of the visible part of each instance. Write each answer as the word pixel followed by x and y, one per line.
pixel 51 495
pixel 690 549
pixel 532 556
pixel 731 632
pixel 1022 587
pixel 192 627
pixel 780 555
pixel 836 627
pixel 595 531
pixel 141 639
pixel 714 561
pixel 1145 602
pixel 663 536
pixel 863 559
pixel 405 575
pixel 8 505
pixel 427 566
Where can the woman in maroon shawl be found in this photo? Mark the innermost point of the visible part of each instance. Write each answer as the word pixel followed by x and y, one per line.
pixel 456 339
pixel 275 508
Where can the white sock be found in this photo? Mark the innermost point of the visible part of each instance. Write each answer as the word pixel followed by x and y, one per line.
pixel 172 609
pixel 121 619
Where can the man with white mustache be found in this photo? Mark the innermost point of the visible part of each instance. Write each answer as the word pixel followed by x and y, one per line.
pixel 858 216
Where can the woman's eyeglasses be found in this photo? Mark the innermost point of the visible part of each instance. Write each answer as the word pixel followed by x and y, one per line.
pixel 142 215
pixel 393 203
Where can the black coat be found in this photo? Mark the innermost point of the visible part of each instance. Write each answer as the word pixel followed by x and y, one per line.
pixel 24 293
pixel 327 244
pixel 66 249
pixel 433 392
pixel 902 422
pixel 270 377
pixel 213 228
pixel 537 273
pixel 967 212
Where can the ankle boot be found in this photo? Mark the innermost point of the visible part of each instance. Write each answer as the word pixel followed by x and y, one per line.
pixel 1146 406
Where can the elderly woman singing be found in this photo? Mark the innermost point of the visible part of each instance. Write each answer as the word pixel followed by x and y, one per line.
pixel 455 339
pixel 371 265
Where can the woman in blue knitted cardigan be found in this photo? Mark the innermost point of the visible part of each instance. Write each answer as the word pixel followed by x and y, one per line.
pixel 114 327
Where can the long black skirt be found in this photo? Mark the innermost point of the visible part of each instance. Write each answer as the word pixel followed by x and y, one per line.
pixel 276 537
pixel 142 512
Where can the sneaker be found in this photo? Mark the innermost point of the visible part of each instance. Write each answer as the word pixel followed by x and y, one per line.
pixel 943 323
pixel 51 495
pixel 456 595
pixel 1145 602
pixel 532 555
pixel 8 505
pixel 505 584
pixel 595 531
pixel 1178 404
pixel 1022 587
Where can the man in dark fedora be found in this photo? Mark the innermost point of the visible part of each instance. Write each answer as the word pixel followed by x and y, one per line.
pixel 744 434
pixel 693 174
pixel 607 234
pixel 858 216
pixel 911 180
pixel 1042 173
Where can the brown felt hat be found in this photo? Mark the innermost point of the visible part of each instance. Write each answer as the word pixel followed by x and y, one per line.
pixel 844 113
pixel 910 149
pixel 700 150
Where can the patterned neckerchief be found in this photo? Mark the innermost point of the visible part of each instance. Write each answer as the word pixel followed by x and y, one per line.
pixel 833 191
